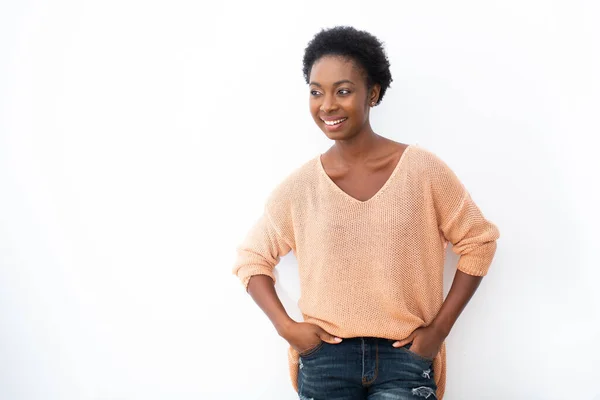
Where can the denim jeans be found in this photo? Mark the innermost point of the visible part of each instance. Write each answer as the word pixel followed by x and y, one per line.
pixel 364 368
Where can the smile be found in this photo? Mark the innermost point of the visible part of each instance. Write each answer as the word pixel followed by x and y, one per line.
pixel 336 122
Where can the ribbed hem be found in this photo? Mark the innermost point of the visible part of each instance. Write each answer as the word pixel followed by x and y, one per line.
pixel 474 264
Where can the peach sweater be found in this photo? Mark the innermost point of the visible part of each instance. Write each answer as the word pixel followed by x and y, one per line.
pixel 374 267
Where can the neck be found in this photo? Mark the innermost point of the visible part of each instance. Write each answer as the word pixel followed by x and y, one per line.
pixel 358 148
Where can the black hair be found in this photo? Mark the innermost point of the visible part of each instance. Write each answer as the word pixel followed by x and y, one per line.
pixel 359 46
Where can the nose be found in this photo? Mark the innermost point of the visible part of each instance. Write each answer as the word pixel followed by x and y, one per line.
pixel 328 103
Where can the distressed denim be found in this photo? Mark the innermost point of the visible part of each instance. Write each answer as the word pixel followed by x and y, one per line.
pixel 364 368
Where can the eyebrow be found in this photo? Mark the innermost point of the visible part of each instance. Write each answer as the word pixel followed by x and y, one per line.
pixel 334 84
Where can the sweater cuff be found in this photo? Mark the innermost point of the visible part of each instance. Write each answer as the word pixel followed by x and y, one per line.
pixel 477 264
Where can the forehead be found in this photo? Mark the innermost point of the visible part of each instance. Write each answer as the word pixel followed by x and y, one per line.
pixel 329 69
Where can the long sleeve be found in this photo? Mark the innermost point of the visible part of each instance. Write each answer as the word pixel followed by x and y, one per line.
pixel 271 237
pixel 260 252
pixel 460 220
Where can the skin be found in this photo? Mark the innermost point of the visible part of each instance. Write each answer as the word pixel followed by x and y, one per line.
pixel 359 162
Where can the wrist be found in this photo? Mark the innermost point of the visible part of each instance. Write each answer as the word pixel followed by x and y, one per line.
pixel 284 326
pixel 443 330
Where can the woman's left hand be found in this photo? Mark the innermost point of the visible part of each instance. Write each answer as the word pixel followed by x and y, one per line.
pixel 426 341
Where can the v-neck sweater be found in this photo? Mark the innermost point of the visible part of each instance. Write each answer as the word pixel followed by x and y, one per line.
pixel 371 268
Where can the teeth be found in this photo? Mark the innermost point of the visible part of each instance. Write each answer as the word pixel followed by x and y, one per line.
pixel 331 123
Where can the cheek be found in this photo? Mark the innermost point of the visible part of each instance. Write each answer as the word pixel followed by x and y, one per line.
pixel 355 109
pixel 314 108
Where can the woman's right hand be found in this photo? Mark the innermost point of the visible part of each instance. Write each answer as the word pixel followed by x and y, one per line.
pixel 303 336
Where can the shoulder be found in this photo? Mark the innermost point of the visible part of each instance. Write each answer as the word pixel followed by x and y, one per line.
pixel 430 167
pixel 293 186
pixel 424 156
pixel 424 162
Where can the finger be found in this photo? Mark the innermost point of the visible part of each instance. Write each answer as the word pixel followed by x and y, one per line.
pixel 404 342
pixel 326 337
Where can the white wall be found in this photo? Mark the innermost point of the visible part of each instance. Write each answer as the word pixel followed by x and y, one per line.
pixel 139 140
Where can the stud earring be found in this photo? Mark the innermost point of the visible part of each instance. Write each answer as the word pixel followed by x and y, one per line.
pixel 373 104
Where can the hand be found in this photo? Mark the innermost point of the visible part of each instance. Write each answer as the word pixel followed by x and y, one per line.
pixel 426 341
pixel 303 336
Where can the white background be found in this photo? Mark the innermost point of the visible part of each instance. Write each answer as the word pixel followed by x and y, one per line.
pixel 140 139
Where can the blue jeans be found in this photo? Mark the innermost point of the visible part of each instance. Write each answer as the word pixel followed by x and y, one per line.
pixel 364 369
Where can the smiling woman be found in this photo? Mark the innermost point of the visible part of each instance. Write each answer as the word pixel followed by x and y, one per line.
pixel 345 81
pixel 369 221
pixel 339 106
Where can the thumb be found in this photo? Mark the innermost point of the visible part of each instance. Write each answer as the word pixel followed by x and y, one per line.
pixel 404 342
pixel 326 337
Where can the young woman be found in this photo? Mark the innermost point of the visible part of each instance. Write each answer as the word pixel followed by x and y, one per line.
pixel 368 221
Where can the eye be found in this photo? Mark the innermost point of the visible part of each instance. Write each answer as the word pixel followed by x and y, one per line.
pixel 344 91
pixel 314 93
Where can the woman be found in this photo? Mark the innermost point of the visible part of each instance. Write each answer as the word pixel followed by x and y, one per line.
pixel 368 221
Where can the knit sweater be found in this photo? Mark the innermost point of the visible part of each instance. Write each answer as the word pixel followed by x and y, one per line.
pixel 375 267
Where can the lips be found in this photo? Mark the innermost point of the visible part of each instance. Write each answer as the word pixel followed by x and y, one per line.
pixel 333 121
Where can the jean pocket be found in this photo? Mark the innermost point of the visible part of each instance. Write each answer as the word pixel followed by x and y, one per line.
pixel 415 355
pixel 313 350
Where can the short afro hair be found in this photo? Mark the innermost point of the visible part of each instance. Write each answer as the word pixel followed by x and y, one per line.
pixel 359 46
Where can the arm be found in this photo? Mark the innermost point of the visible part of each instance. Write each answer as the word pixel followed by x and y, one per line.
pixel 300 335
pixel 463 288
pixel 427 341
pixel 257 257
pixel 262 290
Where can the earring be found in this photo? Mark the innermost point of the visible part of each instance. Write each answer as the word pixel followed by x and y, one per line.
pixel 373 104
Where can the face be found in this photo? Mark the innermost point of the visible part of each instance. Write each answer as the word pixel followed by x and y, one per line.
pixel 339 97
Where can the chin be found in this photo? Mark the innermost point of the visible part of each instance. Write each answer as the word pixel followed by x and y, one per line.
pixel 342 135
pixel 334 135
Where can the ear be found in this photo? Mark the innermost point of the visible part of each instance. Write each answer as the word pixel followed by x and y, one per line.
pixel 374 93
